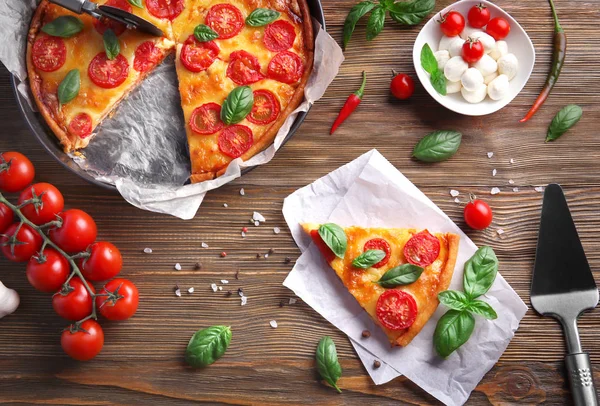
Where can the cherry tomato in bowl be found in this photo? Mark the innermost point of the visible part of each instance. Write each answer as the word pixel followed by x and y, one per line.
pixel 478 214
pixel 122 308
pixel 452 23
pixel 498 28
pixel 85 343
pixel 105 262
pixel 402 86
pixel 16 172
pixel 50 203
pixel 26 242
pixel 472 50
pixel 478 16
pixel 77 232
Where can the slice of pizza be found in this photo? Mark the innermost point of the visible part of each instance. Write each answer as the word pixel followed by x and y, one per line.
pixel 395 274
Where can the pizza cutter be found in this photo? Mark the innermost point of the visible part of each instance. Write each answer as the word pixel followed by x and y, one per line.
pixel 113 13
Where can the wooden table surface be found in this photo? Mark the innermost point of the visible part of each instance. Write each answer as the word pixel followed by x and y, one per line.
pixel 142 360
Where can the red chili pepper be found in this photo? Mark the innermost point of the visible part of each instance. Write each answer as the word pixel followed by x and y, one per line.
pixel 350 105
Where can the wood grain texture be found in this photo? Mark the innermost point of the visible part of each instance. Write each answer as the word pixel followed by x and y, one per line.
pixel 142 361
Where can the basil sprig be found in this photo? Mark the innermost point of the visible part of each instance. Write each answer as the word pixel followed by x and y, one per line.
pixel 411 12
pixel 327 362
pixel 368 258
pixel 207 345
pixel 64 26
pixel 566 118
pixel 204 33
pixel 430 65
pixel 136 3
pixel 335 238
pixel 68 89
pixel 456 326
pixel 237 105
pixel 437 146
pixel 111 44
pixel 401 275
pixel 262 16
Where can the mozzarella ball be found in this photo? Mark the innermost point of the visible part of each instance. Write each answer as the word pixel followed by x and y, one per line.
pixel 498 88
pixel 476 95
pixel 471 79
pixel 486 40
pixel 508 65
pixel 487 79
pixel 441 57
pixel 455 47
pixel 499 50
pixel 455 68
pixel 445 43
pixel 452 87
pixel 468 31
pixel 486 65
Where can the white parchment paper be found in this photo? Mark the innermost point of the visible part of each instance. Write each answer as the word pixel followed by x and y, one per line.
pixel 150 119
pixel 370 192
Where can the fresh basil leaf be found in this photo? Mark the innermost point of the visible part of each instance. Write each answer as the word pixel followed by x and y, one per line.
pixel 368 258
pixel 480 272
pixel 111 44
pixel 64 26
pixel 335 238
pixel 204 33
pixel 327 362
pixel 400 275
pixel 438 81
pixel 453 330
pixel 262 16
pixel 355 14
pixel 411 12
pixel 237 105
pixel 437 146
pixel 566 118
pixel 387 3
pixel 454 299
pixel 483 309
pixel 428 61
pixel 136 3
pixel 68 89
pixel 208 345
pixel 375 22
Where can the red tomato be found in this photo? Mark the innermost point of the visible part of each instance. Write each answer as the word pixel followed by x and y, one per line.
pixel 396 309
pixel 325 250
pixel 498 28
pixel 452 23
pixel 197 56
pixel 6 217
pixel 235 140
pixel 402 86
pixel 422 249
pixel 266 108
pixel 85 344
pixel 106 73
pixel 147 55
pixel 104 24
pixel 379 244
pixel 226 19
pixel 81 125
pixel 48 53
pixel 26 244
pixel 16 172
pixel 48 276
pixel 77 232
pixel 104 262
pixel 478 214
pixel 206 119
pixel 125 306
pixel 244 68
pixel 472 50
pixel 478 16
pixel 76 304
pixel 286 67
pixel 165 8
pixel 50 203
pixel 279 36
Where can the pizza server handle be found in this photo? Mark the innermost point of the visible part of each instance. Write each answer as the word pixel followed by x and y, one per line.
pixel 581 377
pixel 77 6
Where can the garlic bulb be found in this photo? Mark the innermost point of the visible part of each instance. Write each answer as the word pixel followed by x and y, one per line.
pixel 9 300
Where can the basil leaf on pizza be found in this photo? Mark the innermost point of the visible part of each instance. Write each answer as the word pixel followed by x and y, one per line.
pixel 262 16
pixel 68 89
pixel 64 26
pixel 401 275
pixel 327 362
pixel 335 238
pixel 237 105
pixel 111 44
pixel 136 3
pixel 204 33
pixel 368 258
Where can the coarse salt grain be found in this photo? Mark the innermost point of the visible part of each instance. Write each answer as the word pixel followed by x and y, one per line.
pixel 243 234
pixel 177 292
pixel 266 255
pixel 276 230
pixel 511 182
pixel 213 286
pixel 292 300
pixel 178 266
pixel 204 245
pixel 242 192
pixel 257 223
pixel 256 216
pixel 225 205
pixel 512 161
pixel 191 290
pixel 273 323
pixel 454 193
pixel 244 300
pixel 494 172
pixel 539 189
pixel 147 250
pixel 490 154
pixel 224 281
pixel 500 231
pixel 495 191
pixel 515 189
pixel 220 287
pixel 456 200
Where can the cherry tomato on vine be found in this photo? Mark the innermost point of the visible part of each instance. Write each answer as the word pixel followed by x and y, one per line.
pixel 478 16
pixel 452 23
pixel 25 243
pixel 16 172
pixel 104 262
pixel 6 217
pixel 84 344
pixel 402 86
pixel 50 203
pixel 48 272
pixel 472 50
pixel 125 306
pixel 78 231
pixel 76 304
pixel 478 214
pixel 498 28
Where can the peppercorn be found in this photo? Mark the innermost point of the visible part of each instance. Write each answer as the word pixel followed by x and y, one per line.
pixel 376 364
pixel 366 334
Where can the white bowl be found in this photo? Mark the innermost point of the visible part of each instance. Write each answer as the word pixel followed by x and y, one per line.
pixel 518 43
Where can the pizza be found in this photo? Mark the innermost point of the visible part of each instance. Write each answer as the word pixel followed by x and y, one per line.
pixel 395 274
pixel 260 48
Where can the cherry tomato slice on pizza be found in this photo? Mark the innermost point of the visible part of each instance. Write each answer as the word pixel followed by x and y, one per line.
pixel 286 67
pixel 266 108
pixel 108 73
pixel 197 56
pixel 48 53
pixel 165 8
pixel 147 55
pixel 422 249
pixel 325 250
pixel 206 119
pixel 235 140
pixel 118 28
pixel 396 309
pixel 81 125
pixel 226 19
pixel 379 244
pixel 279 36
pixel 244 68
